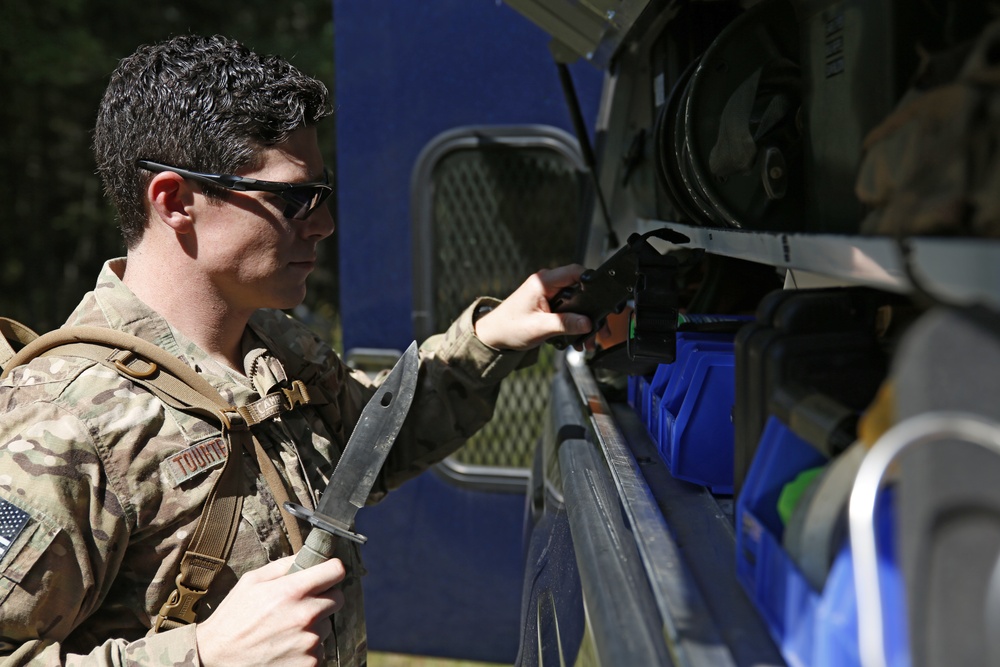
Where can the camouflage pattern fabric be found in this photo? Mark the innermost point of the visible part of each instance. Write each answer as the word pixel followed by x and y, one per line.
pixel 110 482
pixel 932 167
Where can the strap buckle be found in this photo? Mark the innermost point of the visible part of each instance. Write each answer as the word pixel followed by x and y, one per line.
pixel 273 404
pixel 130 363
pixel 295 395
pixel 179 607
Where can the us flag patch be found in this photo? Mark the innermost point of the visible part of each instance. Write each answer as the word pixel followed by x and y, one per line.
pixel 13 519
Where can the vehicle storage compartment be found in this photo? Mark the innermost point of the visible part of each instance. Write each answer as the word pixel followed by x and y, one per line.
pixel 765 132
pixel 689 401
pixel 891 361
pixel 813 625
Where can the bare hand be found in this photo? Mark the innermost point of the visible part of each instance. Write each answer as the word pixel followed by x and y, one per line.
pixel 524 321
pixel 272 619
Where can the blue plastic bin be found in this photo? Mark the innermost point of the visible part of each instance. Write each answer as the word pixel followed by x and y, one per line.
pixel 643 388
pixel 653 396
pixel 686 341
pixel 688 410
pixel 695 430
pixel 637 386
pixel 779 591
pixel 678 380
pixel 811 628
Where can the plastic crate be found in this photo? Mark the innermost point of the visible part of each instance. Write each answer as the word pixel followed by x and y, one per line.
pixel 637 385
pixel 811 628
pixel 694 425
pixel 687 342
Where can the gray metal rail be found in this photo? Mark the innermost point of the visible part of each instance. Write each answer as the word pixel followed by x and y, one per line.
pixel 706 619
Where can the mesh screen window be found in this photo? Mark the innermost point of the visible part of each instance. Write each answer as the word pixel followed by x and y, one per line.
pixel 498 212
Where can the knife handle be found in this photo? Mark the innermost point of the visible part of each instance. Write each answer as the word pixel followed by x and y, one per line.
pixel 317 549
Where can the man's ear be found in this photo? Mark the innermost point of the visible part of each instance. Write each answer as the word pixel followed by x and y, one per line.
pixel 171 201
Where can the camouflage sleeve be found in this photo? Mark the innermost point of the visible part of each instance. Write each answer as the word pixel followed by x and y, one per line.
pixel 456 394
pixel 459 384
pixel 63 530
pixel 176 647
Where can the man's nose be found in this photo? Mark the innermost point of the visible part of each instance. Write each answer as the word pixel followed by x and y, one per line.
pixel 320 224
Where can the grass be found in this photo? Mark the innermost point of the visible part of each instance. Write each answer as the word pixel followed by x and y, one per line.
pixel 399 660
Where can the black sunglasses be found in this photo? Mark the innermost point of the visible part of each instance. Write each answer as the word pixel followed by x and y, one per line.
pixel 301 199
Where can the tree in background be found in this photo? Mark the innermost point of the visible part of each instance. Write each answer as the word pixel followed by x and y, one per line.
pixel 56 229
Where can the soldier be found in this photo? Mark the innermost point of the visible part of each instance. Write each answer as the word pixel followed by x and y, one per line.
pixel 102 483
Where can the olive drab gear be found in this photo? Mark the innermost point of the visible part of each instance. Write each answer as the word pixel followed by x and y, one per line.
pixel 932 166
pixel 183 389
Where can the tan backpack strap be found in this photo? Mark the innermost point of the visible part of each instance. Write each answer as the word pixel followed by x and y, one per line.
pixel 169 388
pixel 165 385
pixel 184 389
pixel 124 342
pixel 213 539
pixel 12 330
pixel 280 493
pixel 198 566
pixel 136 366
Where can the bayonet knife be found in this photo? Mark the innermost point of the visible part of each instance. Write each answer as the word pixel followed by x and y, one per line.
pixel 352 479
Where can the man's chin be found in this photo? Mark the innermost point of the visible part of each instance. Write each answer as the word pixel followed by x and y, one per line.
pixel 286 301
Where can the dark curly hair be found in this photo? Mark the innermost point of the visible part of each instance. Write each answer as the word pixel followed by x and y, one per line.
pixel 201 103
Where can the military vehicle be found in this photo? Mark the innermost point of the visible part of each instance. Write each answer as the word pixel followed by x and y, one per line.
pixel 783 448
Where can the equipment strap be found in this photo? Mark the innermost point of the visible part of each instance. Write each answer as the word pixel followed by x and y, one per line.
pixel 15 331
pixel 180 387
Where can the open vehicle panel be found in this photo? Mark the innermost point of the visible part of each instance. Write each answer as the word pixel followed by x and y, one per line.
pixel 809 447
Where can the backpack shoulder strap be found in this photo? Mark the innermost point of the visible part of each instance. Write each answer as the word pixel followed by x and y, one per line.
pixel 180 387
pixel 12 331
pixel 118 342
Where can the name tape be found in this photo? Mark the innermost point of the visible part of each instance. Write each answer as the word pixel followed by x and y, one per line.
pixel 195 460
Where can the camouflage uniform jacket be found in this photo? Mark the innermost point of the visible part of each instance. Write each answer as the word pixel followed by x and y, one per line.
pixel 92 465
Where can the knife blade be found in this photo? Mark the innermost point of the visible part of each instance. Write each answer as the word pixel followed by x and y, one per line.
pixel 359 465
